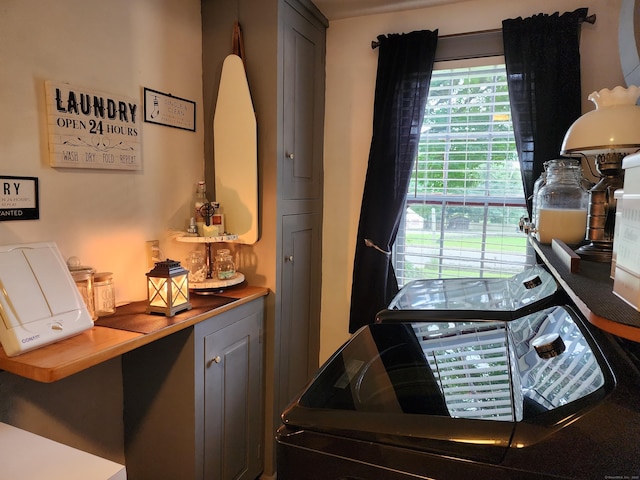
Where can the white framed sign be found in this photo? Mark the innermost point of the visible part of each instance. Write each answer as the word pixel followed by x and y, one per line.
pixel 92 129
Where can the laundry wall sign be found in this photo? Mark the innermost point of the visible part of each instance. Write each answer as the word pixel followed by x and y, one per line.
pixel 19 198
pixel 92 129
pixel 169 110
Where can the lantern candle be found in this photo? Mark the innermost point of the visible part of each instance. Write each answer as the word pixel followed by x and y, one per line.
pixel 168 288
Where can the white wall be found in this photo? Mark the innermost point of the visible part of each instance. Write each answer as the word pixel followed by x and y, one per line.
pixel 119 47
pixel 351 71
pixel 103 217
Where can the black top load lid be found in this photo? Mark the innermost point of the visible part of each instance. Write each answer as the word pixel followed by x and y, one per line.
pixel 473 298
pixel 456 387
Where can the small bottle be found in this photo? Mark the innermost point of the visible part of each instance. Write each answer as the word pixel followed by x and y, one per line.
pixel 192 230
pixel 224 267
pixel 200 200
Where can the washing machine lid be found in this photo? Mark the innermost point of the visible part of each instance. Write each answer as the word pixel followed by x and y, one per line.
pixel 473 298
pixel 454 387
pixel 379 388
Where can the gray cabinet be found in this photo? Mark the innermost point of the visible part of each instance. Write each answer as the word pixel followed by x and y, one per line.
pixel 285 61
pixel 303 105
pixel 233 401
pixel 300 319
pixel 300 197
pixel 193 401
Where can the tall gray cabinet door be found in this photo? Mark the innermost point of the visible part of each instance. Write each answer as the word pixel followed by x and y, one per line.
pixel 300 319
pixel 233 402
pixel 303 107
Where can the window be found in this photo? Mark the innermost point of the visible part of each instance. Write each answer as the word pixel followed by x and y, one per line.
pixel 465 197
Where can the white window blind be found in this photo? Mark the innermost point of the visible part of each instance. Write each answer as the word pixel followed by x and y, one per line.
pixel 465 196
pixel 486 370
pixel 472 368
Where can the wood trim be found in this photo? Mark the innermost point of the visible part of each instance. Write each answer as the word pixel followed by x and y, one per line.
pixel 611 325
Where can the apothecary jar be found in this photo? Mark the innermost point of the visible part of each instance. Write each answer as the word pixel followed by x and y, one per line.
pixel 561 204
pixel 224 266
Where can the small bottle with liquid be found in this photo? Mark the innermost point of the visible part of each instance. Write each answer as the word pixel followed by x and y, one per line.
pixel 200 199
pixel 192 229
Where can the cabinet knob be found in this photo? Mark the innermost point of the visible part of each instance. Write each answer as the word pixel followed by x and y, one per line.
pixel 288 258
pixel 290 156
pixel 216 359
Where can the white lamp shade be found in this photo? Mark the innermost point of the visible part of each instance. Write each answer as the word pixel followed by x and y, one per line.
pixel 613 126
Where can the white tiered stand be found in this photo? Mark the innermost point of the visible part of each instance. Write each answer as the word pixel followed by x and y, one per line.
pixel 212 283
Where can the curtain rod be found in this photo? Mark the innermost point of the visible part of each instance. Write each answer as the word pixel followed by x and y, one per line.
pixel 590 19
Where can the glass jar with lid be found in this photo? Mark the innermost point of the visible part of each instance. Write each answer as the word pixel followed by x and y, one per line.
pixel 561 204
pixel 83 278
pixel 223 266
pixel 104 294
pixel 538 184
pixel 197 266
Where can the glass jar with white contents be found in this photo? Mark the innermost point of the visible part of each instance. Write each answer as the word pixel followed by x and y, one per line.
pixel 197 266
pixel 562 204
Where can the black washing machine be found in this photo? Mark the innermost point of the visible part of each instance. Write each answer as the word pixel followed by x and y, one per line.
pixel 466 378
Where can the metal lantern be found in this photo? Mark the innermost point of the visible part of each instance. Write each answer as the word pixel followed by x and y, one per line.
pixel 168 288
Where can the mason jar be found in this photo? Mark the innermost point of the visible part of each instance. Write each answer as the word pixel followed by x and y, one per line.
pixel 197 266
pixel 223 266
pixel 538 184
pixel 104 294
pixel 562 204
pixel 83 278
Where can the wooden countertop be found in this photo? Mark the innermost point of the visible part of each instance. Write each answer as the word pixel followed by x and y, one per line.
pixel 591 289
pixel 99 344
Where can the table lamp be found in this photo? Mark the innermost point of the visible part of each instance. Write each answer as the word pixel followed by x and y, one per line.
pixel 608 133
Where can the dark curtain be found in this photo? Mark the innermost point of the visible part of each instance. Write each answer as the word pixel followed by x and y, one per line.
pixel 542 56
pixel 405 63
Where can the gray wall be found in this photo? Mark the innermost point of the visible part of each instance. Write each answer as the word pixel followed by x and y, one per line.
pixel 83 411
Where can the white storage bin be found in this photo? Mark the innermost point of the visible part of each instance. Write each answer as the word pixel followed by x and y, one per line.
pixel 626 285
pixel 28 456
pixel 631 166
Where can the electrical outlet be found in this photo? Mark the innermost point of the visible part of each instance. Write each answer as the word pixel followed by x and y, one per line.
pixel 153 252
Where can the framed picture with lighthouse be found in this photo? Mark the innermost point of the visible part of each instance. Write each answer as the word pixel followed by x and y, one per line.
pixel 169 110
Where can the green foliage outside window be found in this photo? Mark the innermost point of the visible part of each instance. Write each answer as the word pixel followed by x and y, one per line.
pixel 466 191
